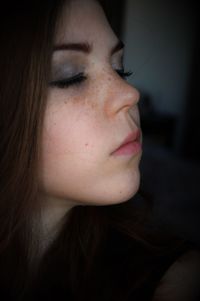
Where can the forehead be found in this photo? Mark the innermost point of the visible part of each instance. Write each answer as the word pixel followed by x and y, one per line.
pixel 84 20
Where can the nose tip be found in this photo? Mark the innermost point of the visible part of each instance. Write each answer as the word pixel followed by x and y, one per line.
pixel 128 98
pixel 134 95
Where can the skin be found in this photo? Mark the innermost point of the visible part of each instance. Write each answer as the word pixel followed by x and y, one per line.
pixel 84 124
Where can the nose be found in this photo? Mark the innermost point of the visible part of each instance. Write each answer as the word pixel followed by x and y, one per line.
pixel 121 96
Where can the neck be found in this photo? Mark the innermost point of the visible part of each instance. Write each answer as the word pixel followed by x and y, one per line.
pixel 46 226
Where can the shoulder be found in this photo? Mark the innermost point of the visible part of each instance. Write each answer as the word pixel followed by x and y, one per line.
pixel 182 279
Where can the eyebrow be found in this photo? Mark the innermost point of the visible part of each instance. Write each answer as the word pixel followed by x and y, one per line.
pixel 85 47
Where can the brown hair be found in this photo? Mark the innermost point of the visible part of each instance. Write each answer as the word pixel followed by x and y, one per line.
pixel 26 34
pixel 27 31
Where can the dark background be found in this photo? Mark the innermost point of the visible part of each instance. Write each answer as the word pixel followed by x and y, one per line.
pixel 162 49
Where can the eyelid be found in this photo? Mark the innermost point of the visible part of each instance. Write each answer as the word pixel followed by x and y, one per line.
pixel 65 82
pixel 81 77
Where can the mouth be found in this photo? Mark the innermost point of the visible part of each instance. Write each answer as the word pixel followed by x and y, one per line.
pixel 131 145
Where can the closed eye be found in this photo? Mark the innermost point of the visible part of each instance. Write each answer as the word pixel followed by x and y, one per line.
pixel 67 82
pixel 81 77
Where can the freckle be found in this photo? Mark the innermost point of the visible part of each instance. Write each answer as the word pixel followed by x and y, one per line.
pixel 86 144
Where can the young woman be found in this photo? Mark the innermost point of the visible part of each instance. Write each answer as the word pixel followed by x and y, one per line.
pixel 73 226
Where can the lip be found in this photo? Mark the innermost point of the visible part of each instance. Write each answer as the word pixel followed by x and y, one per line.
pixel 131 145
pixel 132 137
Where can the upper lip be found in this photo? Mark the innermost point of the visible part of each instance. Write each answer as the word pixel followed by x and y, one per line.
pixel 133 136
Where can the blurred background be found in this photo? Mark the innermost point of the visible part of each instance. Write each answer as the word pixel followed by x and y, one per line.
pixel 162 50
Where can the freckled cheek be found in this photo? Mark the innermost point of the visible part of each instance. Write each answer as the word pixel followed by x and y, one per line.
pixel 62 138
pixel 72 127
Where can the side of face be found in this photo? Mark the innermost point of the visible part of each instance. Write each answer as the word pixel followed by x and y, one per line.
pixel 86 121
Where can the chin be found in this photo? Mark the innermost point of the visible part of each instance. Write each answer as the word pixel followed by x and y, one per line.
pixel 127 193
pixel 119 192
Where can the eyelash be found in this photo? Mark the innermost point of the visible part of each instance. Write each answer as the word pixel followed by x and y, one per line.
pixel 80 78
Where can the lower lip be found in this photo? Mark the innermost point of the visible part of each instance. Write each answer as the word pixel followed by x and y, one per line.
pixel 131 148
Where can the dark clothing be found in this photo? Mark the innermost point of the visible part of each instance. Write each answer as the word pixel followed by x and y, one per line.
pixel 113 275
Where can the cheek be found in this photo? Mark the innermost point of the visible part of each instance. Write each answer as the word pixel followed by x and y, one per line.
pixel 59 146
pixel 58 131
pixel 70 151
pixel 55 138
pixel 69 132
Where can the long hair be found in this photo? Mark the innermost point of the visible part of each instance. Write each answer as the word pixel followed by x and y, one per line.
pixel 27 32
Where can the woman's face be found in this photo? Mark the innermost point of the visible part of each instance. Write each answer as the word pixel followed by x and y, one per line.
pixel 86 121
